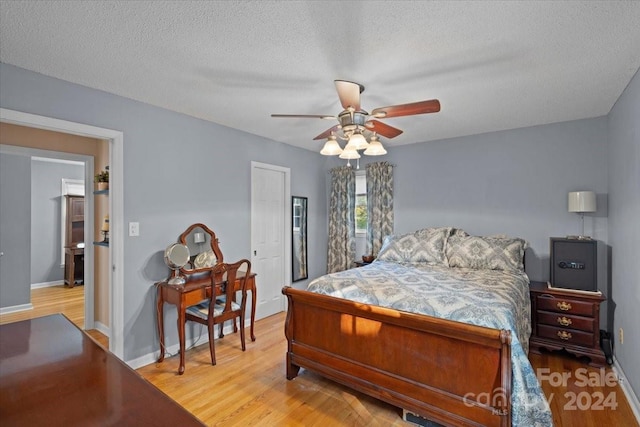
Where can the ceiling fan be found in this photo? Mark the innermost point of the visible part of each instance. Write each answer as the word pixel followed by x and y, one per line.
pixel 354 123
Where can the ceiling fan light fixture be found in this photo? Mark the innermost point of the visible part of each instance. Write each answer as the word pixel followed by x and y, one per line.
pixel 375 148
pixel 354 121
pixel 331 147
pixel 358 141
pixel 349 153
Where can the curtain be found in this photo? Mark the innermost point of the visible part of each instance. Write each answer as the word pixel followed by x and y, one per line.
pixel 379 204
pixel 342 229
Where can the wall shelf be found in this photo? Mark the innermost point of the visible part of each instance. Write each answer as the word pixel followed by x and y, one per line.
pixel 106 244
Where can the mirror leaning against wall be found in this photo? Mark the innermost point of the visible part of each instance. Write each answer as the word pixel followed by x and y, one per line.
pixel 299 238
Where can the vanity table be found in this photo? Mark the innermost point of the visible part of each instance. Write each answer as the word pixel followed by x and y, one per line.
pixel 191 293
pixel 204 253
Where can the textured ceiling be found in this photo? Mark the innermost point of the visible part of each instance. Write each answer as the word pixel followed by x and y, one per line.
pixel 493 65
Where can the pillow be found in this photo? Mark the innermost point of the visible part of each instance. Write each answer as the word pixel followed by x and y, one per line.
pixel 205 259
pixel 422 246
pixel 486 253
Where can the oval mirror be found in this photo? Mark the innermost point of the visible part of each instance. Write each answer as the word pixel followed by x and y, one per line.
pixel 203 249
pixel 176 256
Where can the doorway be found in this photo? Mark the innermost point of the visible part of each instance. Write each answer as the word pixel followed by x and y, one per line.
pixel 116 258
pixel 270 235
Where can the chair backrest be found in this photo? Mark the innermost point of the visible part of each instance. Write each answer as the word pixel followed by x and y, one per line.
pixel 237 271
pixel 216 275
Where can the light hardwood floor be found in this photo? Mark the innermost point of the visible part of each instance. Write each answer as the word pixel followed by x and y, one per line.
pixel 250 388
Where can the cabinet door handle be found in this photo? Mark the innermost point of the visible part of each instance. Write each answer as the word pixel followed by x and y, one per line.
pixel 564 321
pixel 564 306
pixel 564 335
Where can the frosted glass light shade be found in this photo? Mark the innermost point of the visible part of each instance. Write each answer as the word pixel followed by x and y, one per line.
pixel 358 141
pixel 331 147
pixel 349 153
pixel 582 201
pixel 375 148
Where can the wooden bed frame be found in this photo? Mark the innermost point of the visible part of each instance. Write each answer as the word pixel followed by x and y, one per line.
pixel 448 372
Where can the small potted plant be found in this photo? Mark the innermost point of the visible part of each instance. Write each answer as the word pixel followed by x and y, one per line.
pixel 102 179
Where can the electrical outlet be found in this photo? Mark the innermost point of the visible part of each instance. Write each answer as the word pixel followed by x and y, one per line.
pixel 134 229
pixel 621 336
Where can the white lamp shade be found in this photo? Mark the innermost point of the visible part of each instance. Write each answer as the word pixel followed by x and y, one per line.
pixel 375 148
pixel 349 153
pixel 331 147
pixel 582 201
pixel 358 141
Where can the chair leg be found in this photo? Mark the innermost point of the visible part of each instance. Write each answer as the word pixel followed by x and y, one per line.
pixel 221 333
pixel 212 348
pixel 244 347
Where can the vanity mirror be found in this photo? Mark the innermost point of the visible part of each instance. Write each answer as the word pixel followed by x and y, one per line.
pixel 176 256
pixel 203 247
pixel 299 238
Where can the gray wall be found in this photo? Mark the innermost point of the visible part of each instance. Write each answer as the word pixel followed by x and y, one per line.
pixel 178 170
pixel 15 211
pixel 513 182
pixel 46 201
pixel 624 226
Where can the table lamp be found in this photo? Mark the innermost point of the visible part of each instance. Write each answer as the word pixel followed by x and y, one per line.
pixel 581 202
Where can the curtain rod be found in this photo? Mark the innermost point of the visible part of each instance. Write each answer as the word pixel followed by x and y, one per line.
pixel 390 164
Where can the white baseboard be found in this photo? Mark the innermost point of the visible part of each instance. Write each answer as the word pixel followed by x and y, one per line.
pixel 16 308
pixel 102 328
pixel 47 284
pixel 200 339
pixel 628 391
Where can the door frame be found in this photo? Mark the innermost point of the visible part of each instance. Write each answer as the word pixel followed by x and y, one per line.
pixel 287 220
pixel 115 140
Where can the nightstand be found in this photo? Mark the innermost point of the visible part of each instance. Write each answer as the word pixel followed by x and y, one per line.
pixel 361 263
pixel 561 319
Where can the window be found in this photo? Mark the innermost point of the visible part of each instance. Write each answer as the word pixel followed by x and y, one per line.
pixel 361 203
pixel 297 211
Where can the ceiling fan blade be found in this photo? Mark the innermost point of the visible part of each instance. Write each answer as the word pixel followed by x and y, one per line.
pixel 382 129
pixel 305 116
pixel 327 133
pixel 421 107
pixel 349 93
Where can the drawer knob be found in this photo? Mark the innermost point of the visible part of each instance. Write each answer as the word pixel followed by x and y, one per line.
pixel 564 321
pixel 564 306
pixel 564 335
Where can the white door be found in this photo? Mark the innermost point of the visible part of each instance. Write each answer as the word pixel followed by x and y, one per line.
pixel 270 235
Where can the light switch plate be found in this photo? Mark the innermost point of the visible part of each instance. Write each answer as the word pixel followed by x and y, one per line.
pixel 134 229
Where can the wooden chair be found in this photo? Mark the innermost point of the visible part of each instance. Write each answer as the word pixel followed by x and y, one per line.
pixel 219 309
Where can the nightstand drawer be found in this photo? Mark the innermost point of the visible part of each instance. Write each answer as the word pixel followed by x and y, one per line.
pixel 566 335
pixel 562 320
pixel 565 305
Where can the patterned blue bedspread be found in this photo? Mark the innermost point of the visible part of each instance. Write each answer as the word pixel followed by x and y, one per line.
pixel 495 299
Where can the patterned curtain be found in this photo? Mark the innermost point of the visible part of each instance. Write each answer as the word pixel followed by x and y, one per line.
pixel 379 204
pixel 342 229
